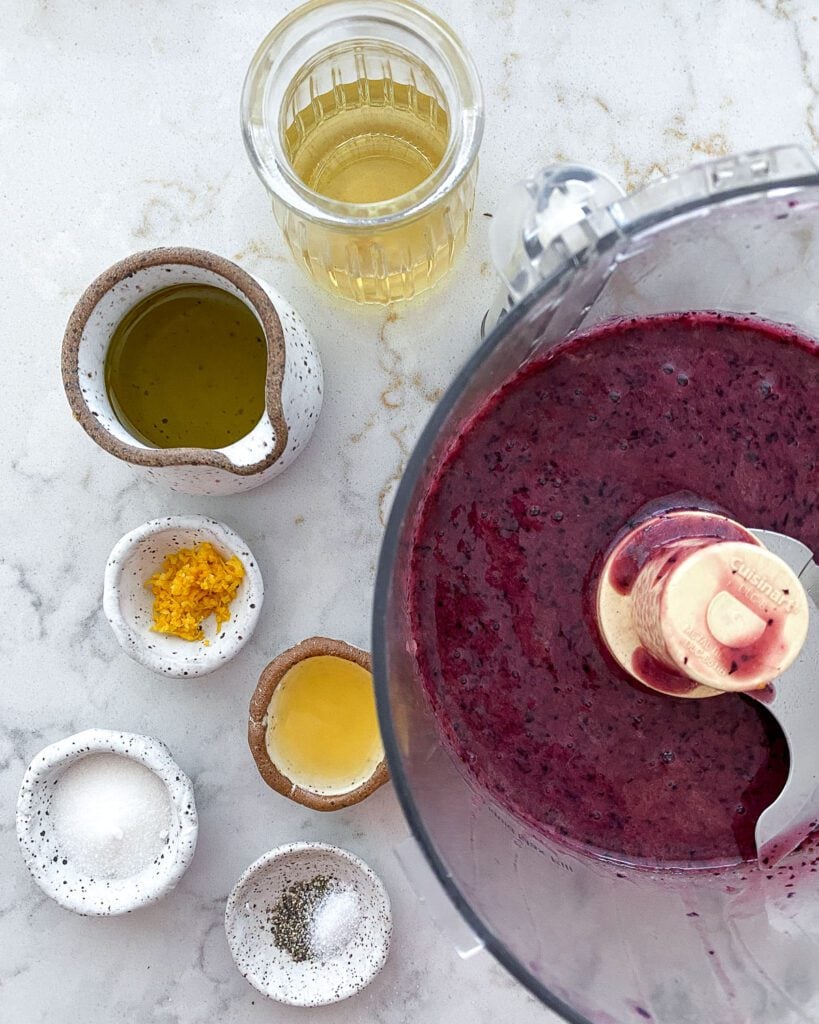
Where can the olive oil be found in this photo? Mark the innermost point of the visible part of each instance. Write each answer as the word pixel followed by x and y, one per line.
pixel 369 141
pixel 322 729
pixel 186 368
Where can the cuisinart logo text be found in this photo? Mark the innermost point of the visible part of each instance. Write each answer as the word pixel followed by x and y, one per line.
pixel 762 583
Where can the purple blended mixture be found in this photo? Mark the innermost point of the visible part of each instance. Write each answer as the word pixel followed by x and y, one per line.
pixel 509 545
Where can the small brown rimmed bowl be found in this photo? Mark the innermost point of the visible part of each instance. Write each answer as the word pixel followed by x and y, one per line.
pixel 272 675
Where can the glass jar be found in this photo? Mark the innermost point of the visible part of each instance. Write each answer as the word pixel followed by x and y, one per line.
pixel 389 81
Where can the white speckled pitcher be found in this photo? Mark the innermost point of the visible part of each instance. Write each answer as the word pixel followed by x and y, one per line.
pixel 293 388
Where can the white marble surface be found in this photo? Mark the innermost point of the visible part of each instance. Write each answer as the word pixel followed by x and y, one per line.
pixel 119 131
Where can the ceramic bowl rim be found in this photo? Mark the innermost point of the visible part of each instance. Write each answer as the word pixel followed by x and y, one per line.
pixel 306 848
pixel 154 755
pixel 258 300
pixel 270 677
pixel 131 640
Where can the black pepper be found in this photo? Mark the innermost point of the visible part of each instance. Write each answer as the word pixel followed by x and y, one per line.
pixel 289 919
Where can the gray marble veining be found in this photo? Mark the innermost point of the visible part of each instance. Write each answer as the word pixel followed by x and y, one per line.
pixel 119 128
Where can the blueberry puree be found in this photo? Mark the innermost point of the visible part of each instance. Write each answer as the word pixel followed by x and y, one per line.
pixel 511 539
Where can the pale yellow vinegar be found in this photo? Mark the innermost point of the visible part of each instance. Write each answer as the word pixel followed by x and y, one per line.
pixel 322 728
pixel 365 142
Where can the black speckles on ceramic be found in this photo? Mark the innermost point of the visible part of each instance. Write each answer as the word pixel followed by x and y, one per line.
pixel 311 982
pixel 128 603
pixel 293 387
pixel 40 844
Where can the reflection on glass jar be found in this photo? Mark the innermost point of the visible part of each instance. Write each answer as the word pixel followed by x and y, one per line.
pixel 363 119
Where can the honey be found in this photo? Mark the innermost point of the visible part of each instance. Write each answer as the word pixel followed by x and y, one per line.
pixel 186 368
pixel 322 728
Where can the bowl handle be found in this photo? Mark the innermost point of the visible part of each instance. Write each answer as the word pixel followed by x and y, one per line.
pixel 553 224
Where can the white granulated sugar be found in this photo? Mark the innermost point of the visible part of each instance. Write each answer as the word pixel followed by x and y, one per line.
pixel 334 922
pixel 111 816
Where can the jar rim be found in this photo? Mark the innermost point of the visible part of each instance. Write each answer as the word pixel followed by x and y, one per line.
pixel 262 137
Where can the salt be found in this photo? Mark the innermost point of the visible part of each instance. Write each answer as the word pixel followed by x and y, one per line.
pixel 334 923
pixel 112 815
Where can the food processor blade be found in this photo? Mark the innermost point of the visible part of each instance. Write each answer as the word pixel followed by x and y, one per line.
pixel 793 700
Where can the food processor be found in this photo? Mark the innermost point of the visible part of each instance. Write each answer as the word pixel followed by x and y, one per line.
pixel 601 940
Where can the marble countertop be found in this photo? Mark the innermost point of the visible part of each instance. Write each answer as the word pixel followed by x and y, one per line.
pixel 119 129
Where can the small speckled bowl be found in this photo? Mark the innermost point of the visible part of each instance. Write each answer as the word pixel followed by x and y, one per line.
pixel 272 675
pixel 128 603
pixel 311 982
pixel 40 844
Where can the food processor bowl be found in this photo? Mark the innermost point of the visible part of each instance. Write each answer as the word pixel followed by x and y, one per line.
pixel 596 940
